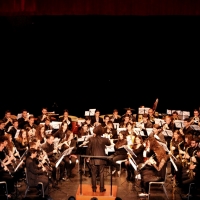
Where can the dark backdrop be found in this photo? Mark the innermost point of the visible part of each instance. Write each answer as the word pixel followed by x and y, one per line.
pixel 104 62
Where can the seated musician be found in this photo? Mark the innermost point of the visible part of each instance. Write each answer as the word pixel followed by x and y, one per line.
pixel 157 133
pixel 30 133
pixel 194 120
pixel 40 133
pixel 84 131
pixel 67 119
pixel 120 153
pixel 24 119
pixel 155 168
pixel 96 119
pixel 151 115
pixel 14 128
pixel 47 125
pixel 187 129
pixel 109 131
pixel 22 141
pixel 41 118
pixel 5 174
pixel 106 118
pixel 130 114
pixel 2 129
pixel 138 149
pixel 115 118
pixel 124 122
pixel 70 160
pixel 61 132
pixel 7 120
pixel 175 116
pixel 130 134
pixel 30 123
pixel 88 121
pixel 35 174
pixel 53 156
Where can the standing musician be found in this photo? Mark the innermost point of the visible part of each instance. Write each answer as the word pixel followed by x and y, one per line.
pixel 115 118
pixel 67 119
pixel 96 119
pixel 35 174
pixel 13 129
pixel 24 119
pixel 97 164
pixel 70 160
pixel 5 174
pixel 7 120
pixel 156 169
pixel 119 154
pixel 138 149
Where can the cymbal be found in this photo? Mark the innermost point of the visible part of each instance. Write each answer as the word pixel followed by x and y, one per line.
pixel 129 109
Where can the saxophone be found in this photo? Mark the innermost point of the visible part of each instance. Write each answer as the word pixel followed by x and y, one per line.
pixel 171 145
pixel 190 171
pixel 179 156
pixel 184 160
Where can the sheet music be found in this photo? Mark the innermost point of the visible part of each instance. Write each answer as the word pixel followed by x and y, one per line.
pixel 121 129
pixel 167 133
pixel 149 131
pixel 87 113
pixel 56 142
pixel 48 132
pixel 91 130
pixel 136 131
pixel 179 123
pixel 109 149
pixel 80 121
pixel 139 124
pixel 116 125
pixel 19 115
pixel 179 112
pixel 92 111
pixel 55 124
pixel 186 113
pixel 169 112
pixel 160 122
pixel 143 110
pixel 195 127
pixel 17 133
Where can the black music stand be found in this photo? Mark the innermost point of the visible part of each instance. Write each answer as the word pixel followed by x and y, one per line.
pixel 100 157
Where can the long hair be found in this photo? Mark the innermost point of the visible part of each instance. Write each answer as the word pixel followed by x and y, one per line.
pixel 122 141
pixel 10 144
pixel 20 139
pixel 38 134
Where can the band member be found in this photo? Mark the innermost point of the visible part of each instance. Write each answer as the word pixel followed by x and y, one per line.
pixel 124 122
pixel 24 119
pixel 195 119
pixel 115 118
pixel 151 115
pixel 175 116
pixel 41 118
pixel 13 129
pixel 40 133
pixel 146 121
pixel 97 120
pixel 67 119
pixel 21 142
pixel 156 169
pixel 157 133
pixel 61 132
pixel 97 164
pixel 109 131
pixel 70 160
pixel 30 133
pixel 138 149
pixel 5 174
pixel 119 154
pixel 2 129
pixel 7 120
pixel 47 126
pixel 130 114
pixel 105 121
pixel 88 121
pixel 36 175
pixel 30 123
pixel 130 134
pixel 187 129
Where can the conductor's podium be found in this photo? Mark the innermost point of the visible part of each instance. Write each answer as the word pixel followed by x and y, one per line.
pixel 87 193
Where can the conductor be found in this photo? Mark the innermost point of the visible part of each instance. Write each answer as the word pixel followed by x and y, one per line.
pixel 96 147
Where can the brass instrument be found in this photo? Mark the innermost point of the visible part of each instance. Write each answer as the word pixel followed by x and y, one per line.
pixel 190 171
pixel 179 151
pixel 185 160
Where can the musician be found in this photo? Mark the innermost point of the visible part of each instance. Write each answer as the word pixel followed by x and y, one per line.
pixel 138 149
pixel 84 131
pixel 97 120
pixel 47 125
pixel 146 121
pixel 109 131
pixel 119 154
pixel 124 122
pixel 36 175
pixel 30 123
pixel 30 133
pixel 187 129
pixel 115 118
pixel 70 160
pixel 88 121
pixel 129 113
pixel 61 132
pixel 175 116
pixel 23 119
pixel 40 133
pixel 7 120
pixel 151 115
pixel 157 133
pixel 13 129
pixel 105 121
pixel 97 164
pixel 67 119
pixel 195 119
pixel 4 171
pixel 2 129
pixel 130 134
pixel 22 141
pixel 156 166
pixel 41 118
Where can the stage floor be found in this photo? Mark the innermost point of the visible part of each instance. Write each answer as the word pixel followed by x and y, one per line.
pixel 125 190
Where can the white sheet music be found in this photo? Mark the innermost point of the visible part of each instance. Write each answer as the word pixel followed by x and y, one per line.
pixel 92 111
pixel 91 130
pixel 186 113
pixel 139 124
pixel 121 129
pixel 19 115
pixel 48 132
pixel 136 131
pixel 116 125
pixel 109 149
pixel 179 112
pixel 195 127
pixel 179 123
pixel 87 113
pixel 149 131
pixel 160 122
pixel 17 133
pixel 143 110
pixel 167 133
pixel 80 121
pixel 55 124
pixel 169 112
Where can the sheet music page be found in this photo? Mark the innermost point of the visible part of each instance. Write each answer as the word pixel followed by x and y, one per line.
pixel 87 113
pixel 169 112
pixel 91 130
pixel 116 125
pixel 167 133
pixel 120 129
pixel 149 131
pixel 141 111
pixel 139 124
pixel 136 131
pixel 92 111
pixel 146 110
pixel 179 123
pixel 17 133
pixel 179 112
pixel 186 113
pixel 80 121
pixel 55 124
pixel 19 115
pixel 195 127
pixel 48 131
pixel 160 122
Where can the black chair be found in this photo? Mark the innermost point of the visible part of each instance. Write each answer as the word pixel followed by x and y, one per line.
pixel 5 187
pixel 28 186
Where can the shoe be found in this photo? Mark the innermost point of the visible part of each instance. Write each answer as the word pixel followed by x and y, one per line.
pixel 63 179
pixel 113 171
pixel 103 190
pixel 94 189
pixel 143 195
pixel 118 172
